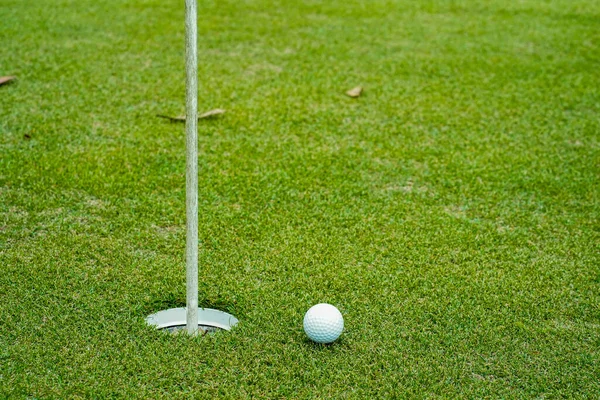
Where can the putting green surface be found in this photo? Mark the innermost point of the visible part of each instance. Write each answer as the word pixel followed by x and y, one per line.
pixel 451 212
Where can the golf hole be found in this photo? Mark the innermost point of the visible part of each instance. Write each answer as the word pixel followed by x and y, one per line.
pixel 173 320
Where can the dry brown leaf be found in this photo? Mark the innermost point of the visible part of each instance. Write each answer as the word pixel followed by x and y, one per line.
pixel 6 79
pixel 355 92
pixel 211 113
pixel 181 118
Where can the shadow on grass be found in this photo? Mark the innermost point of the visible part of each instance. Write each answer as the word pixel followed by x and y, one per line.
pixel 339 345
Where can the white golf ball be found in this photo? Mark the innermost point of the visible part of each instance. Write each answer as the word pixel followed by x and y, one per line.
pixel 323 323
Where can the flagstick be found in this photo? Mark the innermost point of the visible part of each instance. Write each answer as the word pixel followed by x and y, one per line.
pixel 191 131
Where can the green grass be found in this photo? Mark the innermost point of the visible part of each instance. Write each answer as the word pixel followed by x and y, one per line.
pixel 452 212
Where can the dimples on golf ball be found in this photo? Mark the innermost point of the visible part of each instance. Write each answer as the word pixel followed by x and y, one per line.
pixel 323 323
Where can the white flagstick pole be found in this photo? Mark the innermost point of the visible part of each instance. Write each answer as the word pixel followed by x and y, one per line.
pixel 191 131
pixel 171 319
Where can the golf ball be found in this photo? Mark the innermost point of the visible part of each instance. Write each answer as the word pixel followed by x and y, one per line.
pixel 323 323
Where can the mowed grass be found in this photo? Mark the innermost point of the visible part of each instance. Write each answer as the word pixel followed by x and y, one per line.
pixel 451 213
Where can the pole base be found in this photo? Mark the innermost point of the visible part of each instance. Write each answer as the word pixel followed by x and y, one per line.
pixel 209 320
